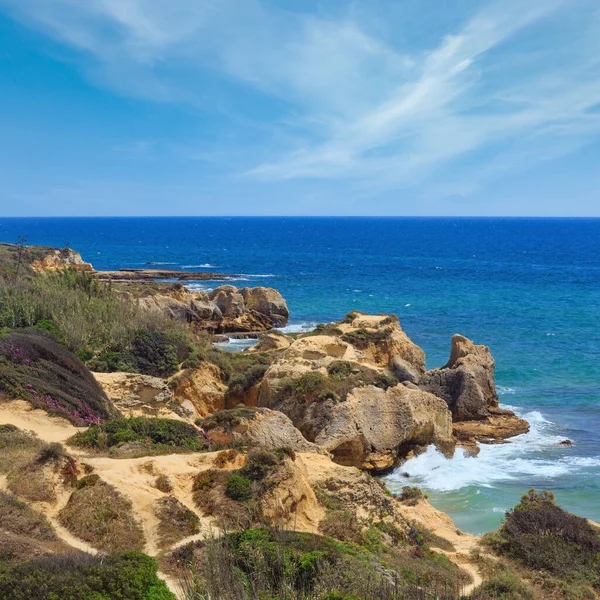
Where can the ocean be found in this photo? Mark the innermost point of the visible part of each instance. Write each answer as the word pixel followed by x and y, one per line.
pixel 527 288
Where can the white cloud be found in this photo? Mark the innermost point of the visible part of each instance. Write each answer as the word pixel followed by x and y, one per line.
pixel 357 107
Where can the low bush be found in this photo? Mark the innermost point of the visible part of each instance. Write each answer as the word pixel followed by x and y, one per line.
pixel 363 338
pixel 240 383
pixel 238 488
pixel 411 495
pixel 103 517
pixel 17 517
pixel 505 585
pixel 260 463
pixel 34 366
pixel 225 457
pixel 141 436
pixel 175 521
pixel 79 576
pixel 542 536
pixel 342 378
pixel 228 419
pixel 163 483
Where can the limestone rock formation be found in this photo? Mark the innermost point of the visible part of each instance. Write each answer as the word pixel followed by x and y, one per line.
pixel 57 260
pixel 263 427
pixel 138 395
pixel 381 340
pixel 201 390
pixel 360 424
pixel 466 382
pixel 271 342
pixel 225 309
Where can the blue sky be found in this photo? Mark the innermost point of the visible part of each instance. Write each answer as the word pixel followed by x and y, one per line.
pixel 281 107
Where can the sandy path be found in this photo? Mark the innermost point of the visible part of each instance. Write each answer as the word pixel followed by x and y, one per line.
pixel 442 525
pixel 48 428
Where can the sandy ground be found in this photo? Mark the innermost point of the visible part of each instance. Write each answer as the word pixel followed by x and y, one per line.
pixel 135 479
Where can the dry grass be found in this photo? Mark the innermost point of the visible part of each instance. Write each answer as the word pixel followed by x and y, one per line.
pixel 163 483
pixel 103 517
pixel 37 480
pixel 17 448
pixel 33 483
pixel 176 521
pixel 25 533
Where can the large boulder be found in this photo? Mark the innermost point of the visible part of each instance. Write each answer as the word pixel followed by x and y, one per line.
pixel 201 390
pixel 323 384
pixel 262 427
pixel 374 428
pixel 466 382
pixel 266 301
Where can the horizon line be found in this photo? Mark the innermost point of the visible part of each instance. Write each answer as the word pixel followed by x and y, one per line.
pixel 548 217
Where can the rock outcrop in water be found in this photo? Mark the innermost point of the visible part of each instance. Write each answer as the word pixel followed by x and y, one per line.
pixel 339 391
pixel 223 310
pixel 466 382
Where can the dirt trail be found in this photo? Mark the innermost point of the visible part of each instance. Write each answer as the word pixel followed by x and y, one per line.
pixel 442 525
pixel 48 428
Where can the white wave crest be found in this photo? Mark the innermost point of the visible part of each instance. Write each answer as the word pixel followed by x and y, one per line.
pixel 297 328
pixel 529 455
pixel 204 266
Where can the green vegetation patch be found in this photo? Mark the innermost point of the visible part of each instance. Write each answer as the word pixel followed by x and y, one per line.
pixel 79 576
pixel 363 338
pixel 228 419
pixel 17 448
pixel 141 436
pixel 108 330
pixel 267 563
pixel 342 378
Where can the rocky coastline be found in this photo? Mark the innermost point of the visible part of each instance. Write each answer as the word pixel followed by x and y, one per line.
pixel 281 439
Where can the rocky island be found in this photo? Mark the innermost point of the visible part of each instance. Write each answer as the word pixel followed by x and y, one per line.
pixel 138 460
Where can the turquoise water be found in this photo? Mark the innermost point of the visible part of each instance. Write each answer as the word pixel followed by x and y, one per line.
pixel 528 288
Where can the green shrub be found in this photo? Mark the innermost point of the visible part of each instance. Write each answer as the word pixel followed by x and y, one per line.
pixel 260 463
pixel 141 436
pixel 79 576
pixel 340 368
pixel 363 338
pixel 175 521
pixel 543 536
pixel 103 517
pixel 238 488
pixel 228 419
pixel 411 495
pixel 163 483
pixel 504 586
pixel 239 383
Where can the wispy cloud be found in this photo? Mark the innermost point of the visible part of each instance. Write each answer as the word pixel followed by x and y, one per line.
pixel 353 104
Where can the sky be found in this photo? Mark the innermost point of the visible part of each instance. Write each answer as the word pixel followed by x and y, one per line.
pixel 281 107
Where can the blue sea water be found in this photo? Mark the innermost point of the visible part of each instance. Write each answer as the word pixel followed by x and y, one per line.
pixel 528 288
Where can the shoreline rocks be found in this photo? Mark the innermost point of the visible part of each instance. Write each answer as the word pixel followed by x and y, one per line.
pixel 223 310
